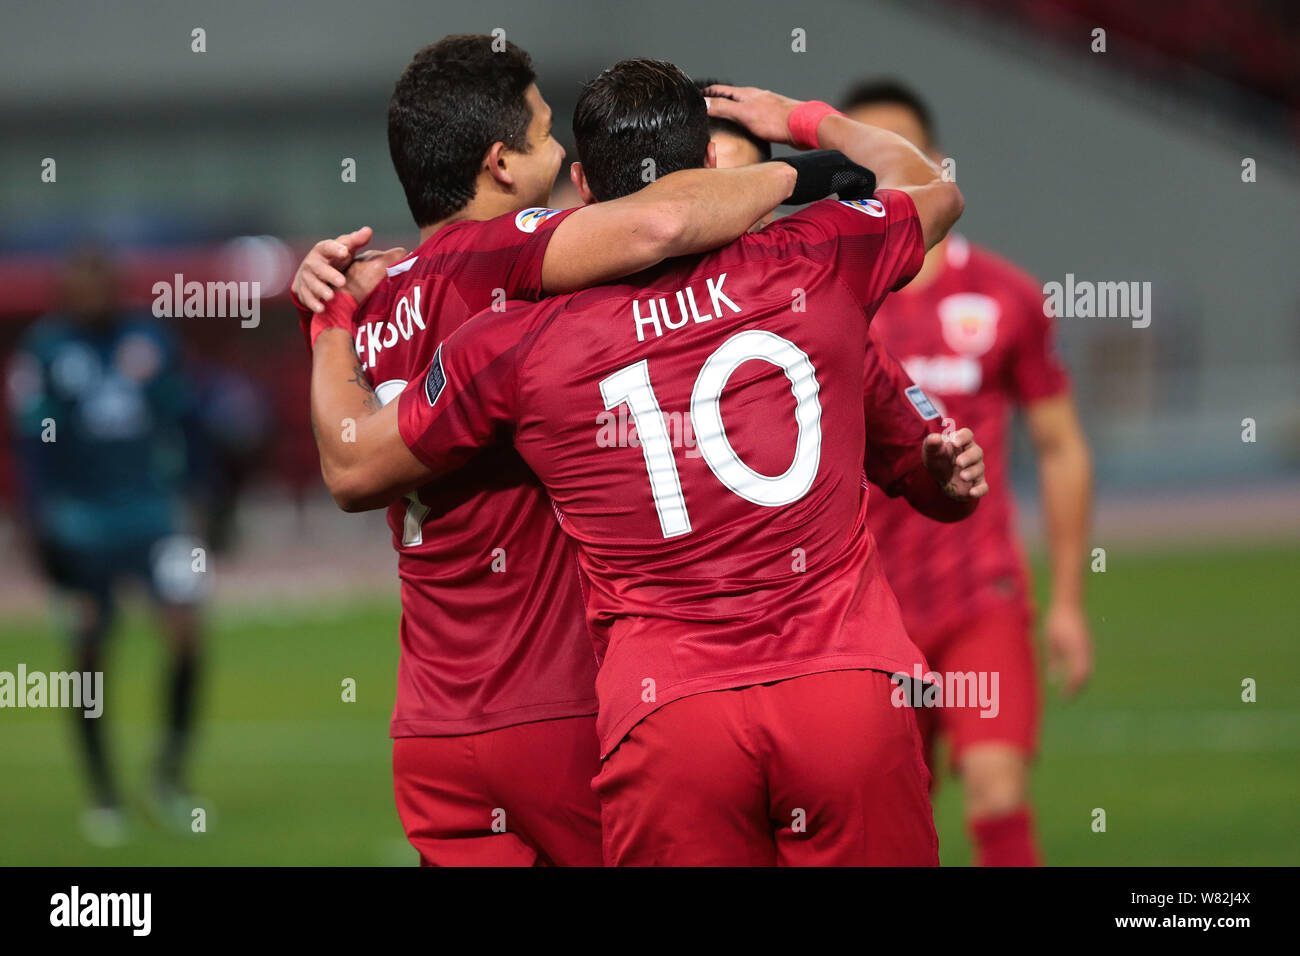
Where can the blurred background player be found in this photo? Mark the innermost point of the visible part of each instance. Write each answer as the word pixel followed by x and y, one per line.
pixel 101 419
pixel 970 329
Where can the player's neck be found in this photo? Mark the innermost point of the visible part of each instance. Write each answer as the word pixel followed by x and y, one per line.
pixel 426 232
pixel 486 204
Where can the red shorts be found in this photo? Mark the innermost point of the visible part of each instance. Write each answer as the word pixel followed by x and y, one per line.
pixel 518 796
pixel 816 770
pixel 994 640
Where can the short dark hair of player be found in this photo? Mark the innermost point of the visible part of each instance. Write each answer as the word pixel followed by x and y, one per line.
pixel 639 110
pixel 453 101
pixel 732 128
pixel 873 92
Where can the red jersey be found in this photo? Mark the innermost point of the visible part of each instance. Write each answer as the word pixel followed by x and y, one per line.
pixel 492 630
pixel 726 544
pixel 977 340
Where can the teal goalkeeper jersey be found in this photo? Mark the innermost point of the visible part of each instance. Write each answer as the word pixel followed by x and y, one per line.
pixel 97 416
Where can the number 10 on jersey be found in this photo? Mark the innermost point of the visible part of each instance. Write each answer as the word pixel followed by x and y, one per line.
pixel 632 385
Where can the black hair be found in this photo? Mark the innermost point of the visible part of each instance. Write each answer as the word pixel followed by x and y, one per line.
pixel 453 101
pixel 872 92
pixel 732 128
pixel 637 111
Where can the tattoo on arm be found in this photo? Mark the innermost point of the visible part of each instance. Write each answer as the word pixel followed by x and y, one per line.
pixel 359 379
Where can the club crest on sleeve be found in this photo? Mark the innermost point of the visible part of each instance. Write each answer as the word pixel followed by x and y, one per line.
pixel 872 207
pixel 527 220
pixel 921 402
pixel 434 380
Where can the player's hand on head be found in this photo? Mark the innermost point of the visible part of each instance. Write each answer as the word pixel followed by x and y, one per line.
pixel 321 271
pixel 762 112
pixel 1069 646
pixel 956 463
pixel 368 270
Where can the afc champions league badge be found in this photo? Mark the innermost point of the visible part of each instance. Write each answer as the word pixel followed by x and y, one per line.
pixel 969 322
pixel 527 220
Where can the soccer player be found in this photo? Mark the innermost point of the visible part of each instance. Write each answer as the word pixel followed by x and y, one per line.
pixel 495 746
pixel 89 384
pixel 747 635
pixel 971 330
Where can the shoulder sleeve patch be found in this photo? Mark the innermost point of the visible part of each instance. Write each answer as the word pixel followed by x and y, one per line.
pixel 435 381
pixel 527 220
pixel 920 401
pixel 872 207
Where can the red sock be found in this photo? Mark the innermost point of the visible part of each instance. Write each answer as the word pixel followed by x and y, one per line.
pixel 1005 841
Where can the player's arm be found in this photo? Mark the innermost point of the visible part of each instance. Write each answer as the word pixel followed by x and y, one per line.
pixel 1041 386
pixel 464 402
pixel 896 162
pixel 173 402
pixel 941 475
pixel 363 459
pixel 689 211
pixel 897 165
pixel 1065 481
pixel 30 410
pixel 950 481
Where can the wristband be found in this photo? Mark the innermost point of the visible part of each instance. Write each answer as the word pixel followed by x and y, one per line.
pixel 803 122
pixel 337 315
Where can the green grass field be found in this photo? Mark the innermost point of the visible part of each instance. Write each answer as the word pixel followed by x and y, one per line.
pixel 1187 773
